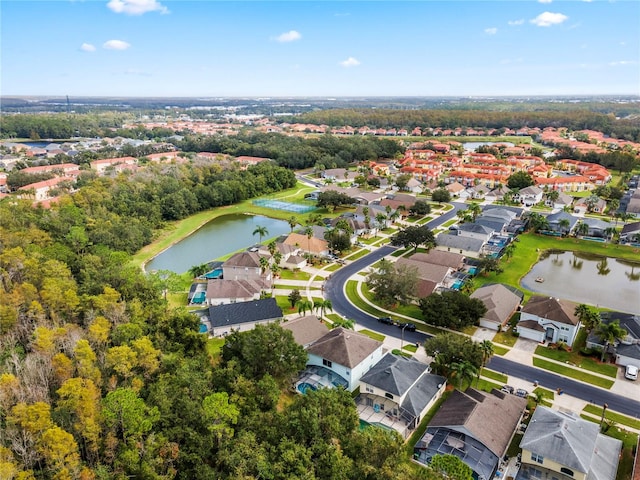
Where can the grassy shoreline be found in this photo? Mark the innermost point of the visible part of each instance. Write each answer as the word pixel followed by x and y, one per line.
pixel 178 230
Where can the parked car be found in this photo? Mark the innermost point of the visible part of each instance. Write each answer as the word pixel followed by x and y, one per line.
pixel 522 393
pixel 386 320
pixel 631 372
pixel 507 389
pixel 410 327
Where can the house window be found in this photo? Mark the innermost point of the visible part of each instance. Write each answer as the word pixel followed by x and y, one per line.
pixel 327 363
pixel 537 458
pixel 535 473
pixel 368 389
pixel 566 471
pixel 388 395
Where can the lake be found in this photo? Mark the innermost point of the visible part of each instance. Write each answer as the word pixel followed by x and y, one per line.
pixel 584 278
pixel 471 146
pixel 219 237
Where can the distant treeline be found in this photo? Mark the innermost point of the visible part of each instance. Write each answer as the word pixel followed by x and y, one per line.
pixel 577 119
pixel 296 152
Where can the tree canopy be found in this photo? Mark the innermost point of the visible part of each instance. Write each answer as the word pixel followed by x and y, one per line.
pixel 414 236
pixel 452 309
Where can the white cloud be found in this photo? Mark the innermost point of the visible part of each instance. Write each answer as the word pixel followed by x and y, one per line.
pixel 136 7
pixel 350 62
pixel 623 63
pixel 87 47
pixel 116 45
pixel 548 19
pixel 290 36
pixel 514 23
pixel 545 1
pixel 491 31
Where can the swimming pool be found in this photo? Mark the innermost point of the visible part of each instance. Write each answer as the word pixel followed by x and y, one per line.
pixel 457 284
pixel 303 387
pixel 217 273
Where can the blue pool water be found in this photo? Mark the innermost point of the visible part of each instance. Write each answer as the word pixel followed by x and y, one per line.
pixel 217 273
pixel 203 328
pixel 594 239
pixel 457 284
pixel 473 270
pixel 303 387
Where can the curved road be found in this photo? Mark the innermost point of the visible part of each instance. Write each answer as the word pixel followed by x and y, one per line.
pixel 334 290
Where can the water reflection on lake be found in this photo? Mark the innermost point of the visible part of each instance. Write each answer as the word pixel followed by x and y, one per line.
pixel 217 238
pixel 471 146
pixel 585 278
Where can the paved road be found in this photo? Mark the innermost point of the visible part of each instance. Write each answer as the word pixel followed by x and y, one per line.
pixel 334 289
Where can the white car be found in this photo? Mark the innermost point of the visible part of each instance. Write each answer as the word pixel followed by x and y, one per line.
pixel 631 372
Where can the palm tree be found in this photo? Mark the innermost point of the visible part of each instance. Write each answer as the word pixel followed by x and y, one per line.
pixel 261 232
pixel 198 270
pixel 610 233
pixel 461 371
pixel 486 346
pixel 314 219
pixel 588 316
pixel 293 221
pixel 613 205
pixel 509 250
pixel 304 305
pixel 264 264
pixel 475 211
pixel 272 247
pixel 564 225
pixel 381 218
pixel 582 229
pixel 610 333
pixel 308 231
pixel 322 305
pixel 344 323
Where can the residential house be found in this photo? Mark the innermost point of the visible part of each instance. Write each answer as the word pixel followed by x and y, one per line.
pixel 40 191
pixel 630 233
pixel 473 230
pixel 633 207
pixel 242 316
pixel 530 196
pixel 339 174
pixel 584 205
pixel 339 359
pixel 572 183
pixel 501 302
pixel 306 330
pixel 467 246
pixel 223 291
pixel 560 444
pixel 61 168
pixel 454 261
pixel 477 427
pixel 548 319
pixel 497 194
pixel 596 227
pixel 456 190
pixel 313 245
pixel 245 266
pixel 438 274
pixel 558 220
pixel 397 392
pixel 627 350
pixel 103 166
pixel 560 203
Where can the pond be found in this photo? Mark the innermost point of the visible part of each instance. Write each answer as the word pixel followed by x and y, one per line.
pixel 219 237
pixel 471 146
pixel 585 278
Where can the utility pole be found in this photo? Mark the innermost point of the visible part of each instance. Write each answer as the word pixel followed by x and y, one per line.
pixel 604 409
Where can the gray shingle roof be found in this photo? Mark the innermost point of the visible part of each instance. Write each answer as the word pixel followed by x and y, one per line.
pixel 491 418
pixel 573 442
pixel 344 347
pixel 459 242
pixel 552 309
pixel 426 271
pixel 499 300
pixel 475 228
pixel 306 330
pixel 439 257
pixel 244 312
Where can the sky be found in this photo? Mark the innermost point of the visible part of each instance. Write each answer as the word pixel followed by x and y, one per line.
pixel 319 48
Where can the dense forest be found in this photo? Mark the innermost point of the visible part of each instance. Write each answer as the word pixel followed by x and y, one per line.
pixel 100 380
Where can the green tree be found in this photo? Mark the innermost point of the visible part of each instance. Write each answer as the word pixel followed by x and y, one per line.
pixel 294 297
pixel 220 415
pixel 588 316
pixel 261 231
pixel 322 305
pixel 304 305
pixel 391 284
pixel 198 270
pixel 520 180
pixel 293 222
pixel 420 207
pixel 451 309
pixel 449 348
pixel 441 195
pixel 610 333
pixel 463 372
pixel 451 467
pixel 414 236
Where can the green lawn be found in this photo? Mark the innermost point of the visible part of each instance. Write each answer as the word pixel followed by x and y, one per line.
pixel 374 335
pixel 358 254
pixel 370 240
pixel 485 385
pixel 351 289
pixel 292 275
pixel 572 373
pixel 574 358
pixel 410 347
pixel 284 304
pixel 399 252
pixel 505 338
pixel 498 350
pixel 493 375
pixel 333 267
pixel 614 416
pixel 214 347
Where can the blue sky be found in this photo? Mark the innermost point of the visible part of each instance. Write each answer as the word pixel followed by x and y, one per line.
pixel 310 48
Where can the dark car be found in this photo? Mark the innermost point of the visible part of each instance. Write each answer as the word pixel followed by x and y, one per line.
pixel 522 393
pixel 507 389
pixel 410 327
pixel 386 320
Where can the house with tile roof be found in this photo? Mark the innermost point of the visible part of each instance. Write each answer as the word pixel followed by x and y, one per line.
pixel 245 266
pixel 501 303
pixel 397 392
pixel 475 426
pixel 548 319
pixel 242 316
pixel 560 444
pixel 313 245
pixel 339 359
pixel 222 291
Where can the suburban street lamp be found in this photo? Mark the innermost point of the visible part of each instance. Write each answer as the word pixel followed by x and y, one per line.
pixel 402 337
